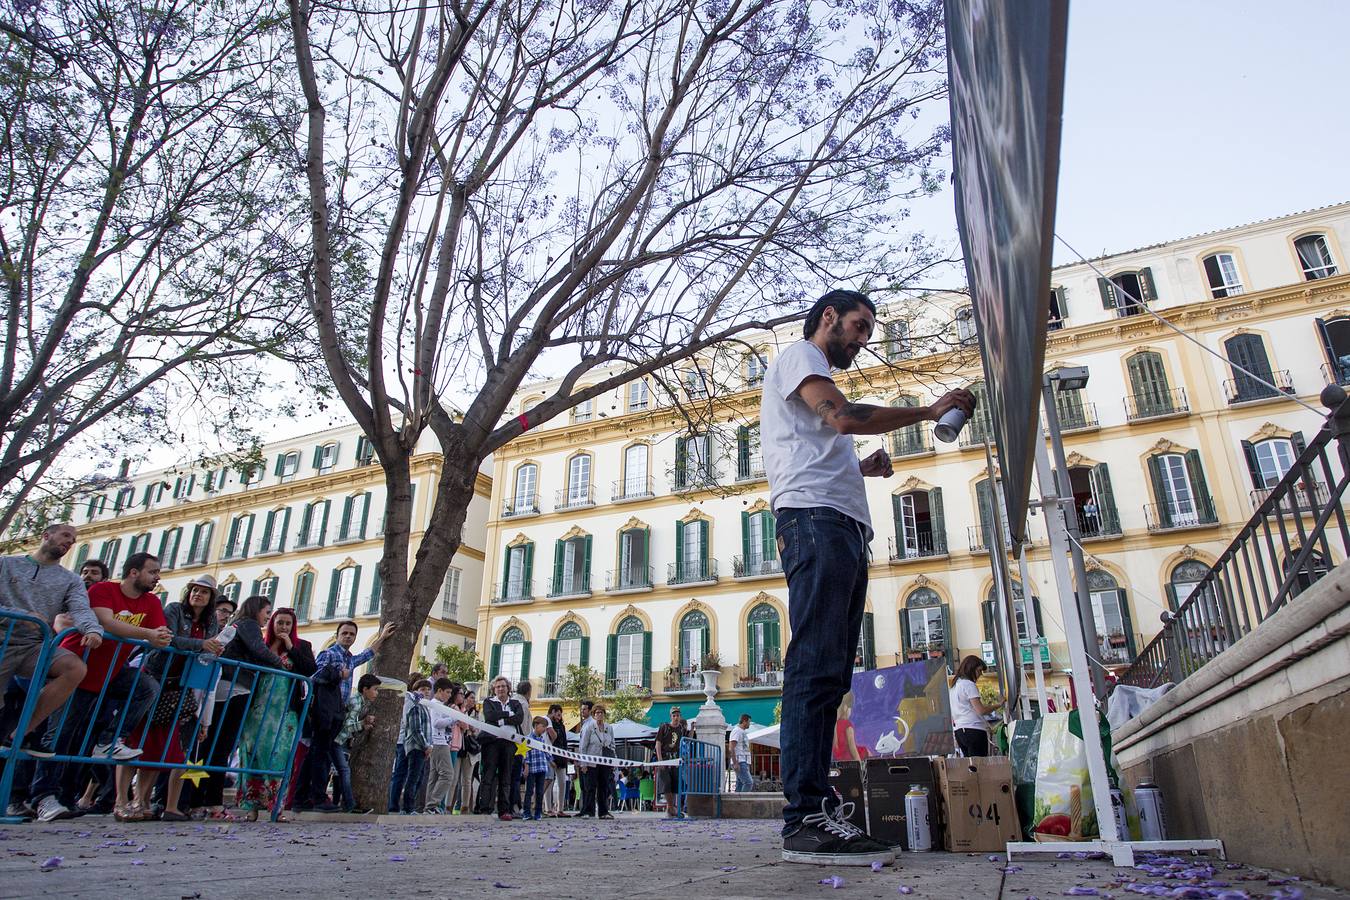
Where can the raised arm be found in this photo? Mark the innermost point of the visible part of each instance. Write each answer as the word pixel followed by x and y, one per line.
pixel 837 411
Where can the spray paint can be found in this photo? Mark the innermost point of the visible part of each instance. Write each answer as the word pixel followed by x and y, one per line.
pixel 1118 807
pixel 950 425
pixel 1152 825
pixel 917 831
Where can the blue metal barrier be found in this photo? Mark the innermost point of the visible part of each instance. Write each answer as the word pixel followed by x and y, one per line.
pixel 199 676
pixel 701 771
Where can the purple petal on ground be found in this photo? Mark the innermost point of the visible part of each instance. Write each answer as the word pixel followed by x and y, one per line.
pixel 138 862
pixel 833 881
pixel 1081 892
pixel 877 865
pixel 501 884
pixel 52 862
pixel 994 857
pixel 1232 895
pixel 905 889
pixel 551 850
pixel 398 857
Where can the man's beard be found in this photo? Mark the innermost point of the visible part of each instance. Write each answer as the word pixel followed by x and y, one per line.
pixel 836 349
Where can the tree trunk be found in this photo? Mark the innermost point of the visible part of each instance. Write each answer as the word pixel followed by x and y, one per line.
pixel 407 600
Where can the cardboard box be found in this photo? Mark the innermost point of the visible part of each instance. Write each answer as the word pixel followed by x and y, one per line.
pixel 887 782
pixel 847 779
pixel 977 798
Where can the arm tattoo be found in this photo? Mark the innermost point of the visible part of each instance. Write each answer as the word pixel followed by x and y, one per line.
pixel 858 412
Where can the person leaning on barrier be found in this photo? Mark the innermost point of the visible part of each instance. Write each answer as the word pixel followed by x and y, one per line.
pixel 225 609
pixel 267 738
pixel 92 571
pixel 36 584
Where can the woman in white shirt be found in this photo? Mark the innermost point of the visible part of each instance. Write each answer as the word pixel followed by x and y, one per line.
pixel 968 710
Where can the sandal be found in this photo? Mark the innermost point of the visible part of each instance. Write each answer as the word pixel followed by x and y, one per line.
pixel 173 815
pixel 132 812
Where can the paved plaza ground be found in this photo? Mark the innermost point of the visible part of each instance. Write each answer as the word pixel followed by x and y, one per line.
pixel 637 855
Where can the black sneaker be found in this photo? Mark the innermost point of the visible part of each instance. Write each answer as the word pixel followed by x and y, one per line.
pixel 827 838
pixel 34 745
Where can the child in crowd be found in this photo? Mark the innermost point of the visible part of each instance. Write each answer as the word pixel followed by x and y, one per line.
pixel 416 745
pixel 359 717
pixel 537 764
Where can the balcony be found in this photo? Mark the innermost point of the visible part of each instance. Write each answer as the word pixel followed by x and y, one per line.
pixel 632 578
pixel 234 554
pixel 924 545
pixel 1156 405
pixel 575 498
pixel 629 489
pixel 763 675
pixel 692 571
pixel 917 652
pixel 914 440
pixel 1337 372
pixel 1098 523
pixel 571 584
pixel 196 559
pixel 973 435
pixel 1114 649
pixel 755 567
pixel 1175 517
pixel 518 507
pixel 749 470
pixel 614 685
pixel 1246 389
pixel 982 538
pixel 308 541
pixel 683 680
pixel 1078 418
pixel 688 482
pixel 505 593
pixel 1307 499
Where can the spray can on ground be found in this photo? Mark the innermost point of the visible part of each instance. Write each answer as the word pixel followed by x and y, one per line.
pixel 1152 825
pixel 1118 807
pixel 916 819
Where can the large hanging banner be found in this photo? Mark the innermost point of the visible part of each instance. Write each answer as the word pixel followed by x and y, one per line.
pixel 897 711
pixel 1005 62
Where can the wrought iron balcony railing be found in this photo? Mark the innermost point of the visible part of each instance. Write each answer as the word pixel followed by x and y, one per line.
pixel 632 489
pixel 512 592
pixel 1171 516
pixel 570 584
pixel 1245 389
pixel 1157 404
pixel 692 571
pixel 920 546
pixel 521 505
pixel 632 578
pixel 755 566
pixel 578 497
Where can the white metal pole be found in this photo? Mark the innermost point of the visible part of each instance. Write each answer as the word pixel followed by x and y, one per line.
pixel 1033 633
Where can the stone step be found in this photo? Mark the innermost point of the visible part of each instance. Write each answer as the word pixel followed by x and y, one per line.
pixel 747 805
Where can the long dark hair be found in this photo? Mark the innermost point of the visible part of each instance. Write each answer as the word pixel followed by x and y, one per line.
pixel 208 612
pixel 971 667
pixel 842 301
pixel 250 608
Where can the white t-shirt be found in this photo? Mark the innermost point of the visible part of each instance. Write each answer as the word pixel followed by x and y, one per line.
pixel 808 463
pixel 740 737
pixel 963 714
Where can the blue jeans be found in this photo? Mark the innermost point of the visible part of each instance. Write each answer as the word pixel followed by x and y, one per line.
pixel 344 770
pixel 825 559
pixel 744 780
pixel 534 787
pixel 417 773
pixel 396 780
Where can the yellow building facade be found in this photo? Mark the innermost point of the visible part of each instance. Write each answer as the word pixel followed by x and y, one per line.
pixel 630 538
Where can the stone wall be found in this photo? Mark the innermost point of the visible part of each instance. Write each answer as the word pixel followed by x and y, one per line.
pixel 1254 748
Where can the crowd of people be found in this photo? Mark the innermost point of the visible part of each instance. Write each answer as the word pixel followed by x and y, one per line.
pixel 245 692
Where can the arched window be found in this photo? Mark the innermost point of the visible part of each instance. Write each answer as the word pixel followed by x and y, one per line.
pixel 1308 574
pixel 511 656
pixel 759 548
pixel 578 482
pixel 763 647
pixel 1314 254
pixel 1150 394
pixel 525 500
pixel 304 595
pixel 694 640
pixel 313 524
pixel 1202 623
pixel 1186 576
pixel 912 440
pixel 1111 614
pixel 342 590
pixel 629 658
pixel 1125 291
pixel 920 526
pixel 925 627
pixel 517 574
pixel 240 536
pixel 1222 273
pixel 569 648
pixel 1249 352
pixel 636 477
pixel 965 326
pixel 1181 492
pixel 1269 460
pixel 571 567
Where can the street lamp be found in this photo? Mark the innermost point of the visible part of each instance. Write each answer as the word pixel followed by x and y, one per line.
pixel 1073 378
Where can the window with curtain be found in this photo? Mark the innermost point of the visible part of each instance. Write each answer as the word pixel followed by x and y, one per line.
pixel 1314 254
pixel 1222 272
pixel 527 479
pixel 635 471
pixel 579 480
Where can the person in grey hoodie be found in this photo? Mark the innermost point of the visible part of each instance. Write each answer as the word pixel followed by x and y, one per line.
pixel 36 584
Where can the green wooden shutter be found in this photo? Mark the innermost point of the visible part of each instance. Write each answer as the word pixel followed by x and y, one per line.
pixel 611 656
pixel 376 593
pixel 551 664
pixel 323 523
pixel 304 591
pixel 318 456
pixel 193 548
pixel 647 659
pixel 987 614
pixel 705 565
pixel 356 589
pixel 1127 621
pixel 1147 289
pixel 585 651
pixel 365 514
pixel 233 537
pixel 679 551
pixel 768 534
pixel 256 587
pixel 681 462
pixel 495 669
pixel 1108 292
pixel 774 644
pixel 330 610
pixel 285 527
pixel 949 641
pixel 1160 492
pixel 280 467
pixel 306 517
pixel 745 542
pixel 905 641
pixel 344 529
pixel 1100 476
pixel 529 570
pixel 586 561
pixel 897 519
pixel 1036 611
pixel 1172 598
pixel 1253 467
pixel 1203 502
pixel 937 520
pixel 704 643
pixel 248 536
pixel 749 645
pixel 743 451
pixel 525 662
pixel 269 523
pixel 869 642
pixel 559 548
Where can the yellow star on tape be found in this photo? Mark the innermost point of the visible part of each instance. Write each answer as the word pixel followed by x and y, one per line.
pixel 522 748
pixel 195 775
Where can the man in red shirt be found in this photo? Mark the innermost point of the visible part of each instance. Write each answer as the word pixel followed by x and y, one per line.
pixel 125 609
